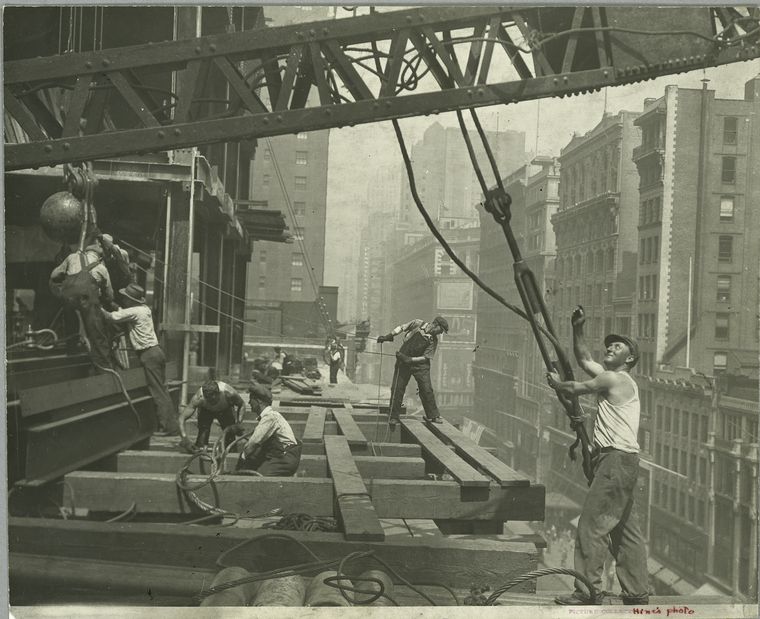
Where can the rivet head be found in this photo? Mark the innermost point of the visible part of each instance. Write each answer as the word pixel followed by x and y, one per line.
pixel 106 62
pixel 265 121
pixel 279 118
pixel 325 31
pixel 328 112
pixel 312 33
pixel 48 148
pixel 556 81
pixel 66 146
pixel 606 73
pixel 177 132
pixel 161 134
pixel 564 79
pixel 198 50
pixel 212 47
pixel 88 65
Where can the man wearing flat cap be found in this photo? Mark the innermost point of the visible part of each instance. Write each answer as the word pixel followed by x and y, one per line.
pixel 413 359
pixel 139 321
pixel 609 521
pixel 273 449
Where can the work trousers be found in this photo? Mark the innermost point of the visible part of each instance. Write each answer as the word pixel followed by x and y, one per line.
pixel 98 334
pixel 401 375
pixel 225 417
pixel 334 367
pixel 154 364
pixel 274 462
pixel 609 522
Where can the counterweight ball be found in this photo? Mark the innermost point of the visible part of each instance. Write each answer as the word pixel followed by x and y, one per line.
pixel 61 217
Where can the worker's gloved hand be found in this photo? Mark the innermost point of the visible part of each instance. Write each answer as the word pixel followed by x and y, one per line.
pixel 188 446
pixel 403 358
pixel 578 317
pixel 385 338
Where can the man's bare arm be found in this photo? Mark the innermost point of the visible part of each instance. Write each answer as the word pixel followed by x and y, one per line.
pixel 599 384
pixel 580 348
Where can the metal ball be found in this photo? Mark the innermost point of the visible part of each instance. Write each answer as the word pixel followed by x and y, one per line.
pixel 61 217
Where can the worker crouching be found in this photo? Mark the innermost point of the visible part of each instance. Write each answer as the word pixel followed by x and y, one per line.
pixel 272 450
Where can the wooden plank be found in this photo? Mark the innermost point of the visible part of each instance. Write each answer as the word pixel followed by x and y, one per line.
pixel 356 512
pixel 311 466
pixel 397 498
pixel 435 558
pixel 477 456
pixel 315 426
pixel 419 527
pixel 442 455
pixel 348 427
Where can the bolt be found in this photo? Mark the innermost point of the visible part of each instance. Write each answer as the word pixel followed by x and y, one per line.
pixel 480 92
pixel 279 118
pixel 48 148
pixel 328 112
pixel 556 81
pixel 198 50
pixel 212 47
pixel 88 65
pixel 606 73
pixel 266 121
pixel 106 62
pixel 66 146
pixel 161 134
pixel 177 132
pixel 564 78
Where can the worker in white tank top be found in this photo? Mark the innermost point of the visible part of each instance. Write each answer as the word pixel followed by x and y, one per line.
pixel 608 519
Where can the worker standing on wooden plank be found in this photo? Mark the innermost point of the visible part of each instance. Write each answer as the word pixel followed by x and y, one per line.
pixel 214 400
pixel 609 519
pixel 136 315
pixel 413 359
pixel 334 358
pixel 273 449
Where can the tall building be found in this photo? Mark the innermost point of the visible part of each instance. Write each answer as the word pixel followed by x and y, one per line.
pixel 696 309
pixel 289 174
pixel 445 178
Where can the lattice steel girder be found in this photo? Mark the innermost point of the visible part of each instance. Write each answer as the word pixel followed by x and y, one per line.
pixel 93 105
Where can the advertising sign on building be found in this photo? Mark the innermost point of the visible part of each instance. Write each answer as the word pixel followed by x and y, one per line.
pixel 455 295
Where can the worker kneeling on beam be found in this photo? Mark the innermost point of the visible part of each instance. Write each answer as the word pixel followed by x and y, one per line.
pixel 413 359
pixel 273 449
pixel 609 522
pixel 214 400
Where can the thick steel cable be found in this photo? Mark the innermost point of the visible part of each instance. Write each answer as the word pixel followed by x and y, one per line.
pixel 537 574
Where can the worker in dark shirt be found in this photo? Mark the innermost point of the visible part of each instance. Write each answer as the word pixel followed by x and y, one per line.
pixel 214 400
pixel 272 450
pixel 413 359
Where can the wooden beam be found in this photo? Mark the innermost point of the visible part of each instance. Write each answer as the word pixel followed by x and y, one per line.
pixel 348 427
pixel 372 431
pixel 311 466
pixel 356 512
pixel 429 558
pixel 441 455
pixel 392 498
pixel 477 456
pixel 185 328
pixel 315 426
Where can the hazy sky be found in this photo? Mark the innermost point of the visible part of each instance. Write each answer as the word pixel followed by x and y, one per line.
pixel 355 151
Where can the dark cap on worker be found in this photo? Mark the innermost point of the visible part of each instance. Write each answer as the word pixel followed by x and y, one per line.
pixel 441 322
pixel 210 389
pixel 628 341
pixel 260 392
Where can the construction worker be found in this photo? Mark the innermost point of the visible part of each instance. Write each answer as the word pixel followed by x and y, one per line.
pixel 213 400
pixel 413 359
pixel 334 358
pixel 83 283
pixel 272 449
pixel 136 315
pixel 277 363
pixel 608 519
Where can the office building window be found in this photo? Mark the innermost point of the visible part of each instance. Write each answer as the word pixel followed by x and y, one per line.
pixel 301 157
pixel 296 284
pixel 265 180
pixel 300 182
pixel 729 130
pixel 725 248
pixel 262 281
pixel 302 135
pixel 724 288
pixel 720 360
pixel 727 208
pixel 721 326
pixel 298 233
pixel 728 174
pixel 263 256
pixel 299 208
pixel 297 260
pixel 267 154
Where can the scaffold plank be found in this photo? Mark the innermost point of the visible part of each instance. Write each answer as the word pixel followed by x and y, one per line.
pixel 441 454
pixel 348 427
pixel 356 512
pixel 315 426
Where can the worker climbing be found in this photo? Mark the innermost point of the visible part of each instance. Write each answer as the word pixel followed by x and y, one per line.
pixel 272 450
pixel 413 359
pixel 609 519
pixel 213 400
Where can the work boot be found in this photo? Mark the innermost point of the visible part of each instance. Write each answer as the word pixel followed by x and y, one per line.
pixel 634 600
pixel 577 599
pixel 438 420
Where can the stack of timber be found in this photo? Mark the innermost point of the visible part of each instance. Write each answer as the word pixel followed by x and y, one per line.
pixel 424 499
